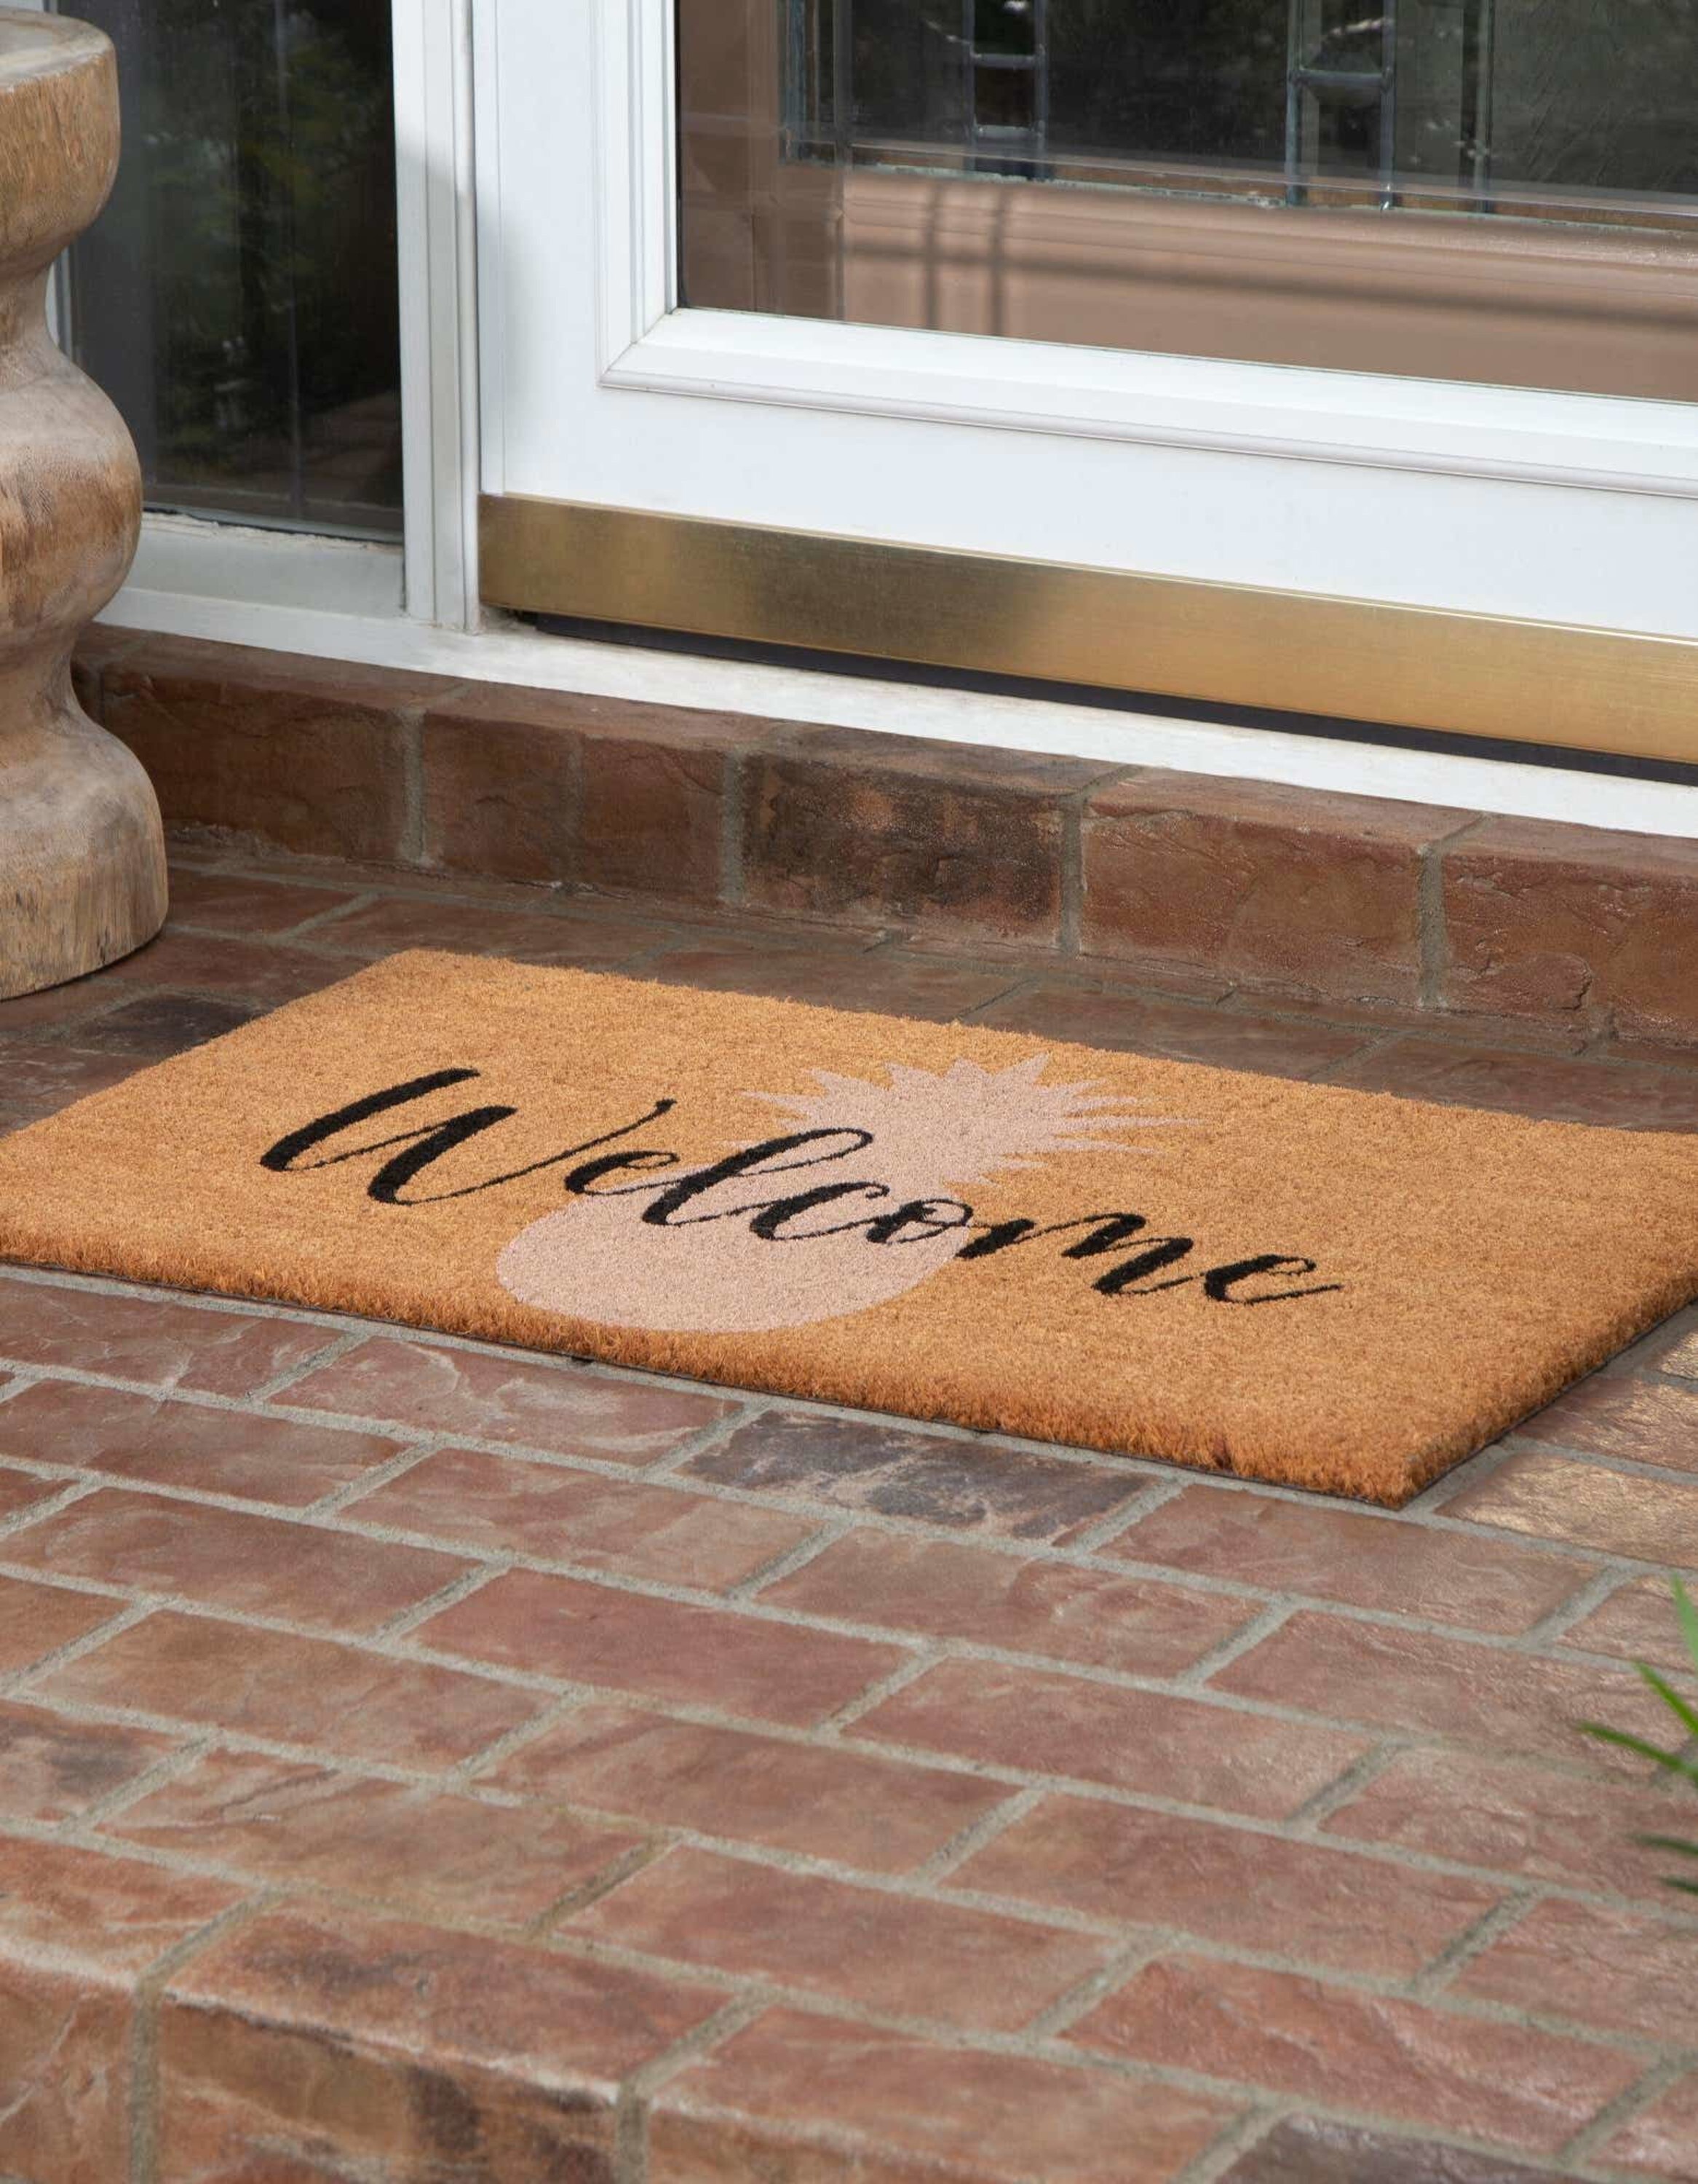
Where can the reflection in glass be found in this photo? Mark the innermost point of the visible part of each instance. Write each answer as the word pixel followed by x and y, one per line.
pixel 1498 191
pixel 1487 103
pixel 239 298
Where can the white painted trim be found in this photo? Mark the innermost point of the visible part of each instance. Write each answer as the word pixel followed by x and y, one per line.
pixel 489 331
pixel 435 155
pixel 240 573
pixel 1516 434
pixel 516 654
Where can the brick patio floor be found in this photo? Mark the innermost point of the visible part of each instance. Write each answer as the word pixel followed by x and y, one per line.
pixel 426 1763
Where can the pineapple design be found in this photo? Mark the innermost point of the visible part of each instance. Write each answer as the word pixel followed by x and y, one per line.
pixel 711 1271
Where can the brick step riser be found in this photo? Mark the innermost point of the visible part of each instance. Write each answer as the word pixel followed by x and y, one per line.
pixel 1319 897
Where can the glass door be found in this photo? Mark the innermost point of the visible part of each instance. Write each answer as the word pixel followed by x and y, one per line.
pixel 1266 352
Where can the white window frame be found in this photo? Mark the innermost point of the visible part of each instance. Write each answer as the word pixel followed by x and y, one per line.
pixel 202 577
pixel 459 227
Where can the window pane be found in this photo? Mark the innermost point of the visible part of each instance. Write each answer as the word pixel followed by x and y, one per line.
pixel 1497 100
pixel 238 297
pixel 1495 190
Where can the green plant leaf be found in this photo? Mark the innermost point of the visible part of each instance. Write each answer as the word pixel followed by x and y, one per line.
pixel 1671 1762
pixel 1671 1698
pixel 1668 1842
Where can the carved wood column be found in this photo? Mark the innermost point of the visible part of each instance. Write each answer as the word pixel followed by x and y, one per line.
pixel 82 864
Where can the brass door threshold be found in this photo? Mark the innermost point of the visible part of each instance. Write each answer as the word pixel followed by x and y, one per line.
pixel 1232 644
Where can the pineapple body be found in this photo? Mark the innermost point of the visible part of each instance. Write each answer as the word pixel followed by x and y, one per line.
pixel 598 1261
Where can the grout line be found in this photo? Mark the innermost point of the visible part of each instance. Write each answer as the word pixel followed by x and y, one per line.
pixel 1090 1539
pixel 171 1768
pixel 1433 1497
pixel 1127 1951
pixel 410 1619
pixel 339 1346
pixel 736 795
pixel 1434 1980
pixel 126 1615
pixel 1151 1469
pixel 1433 935
pixel 1552 1629
pixel 1332 1797
pixel 1237 1643
pixel 979 1013
pixel 1021 983
pixel 789 1562
pixel 1643 2094
pixel 632 2123
pixel 1037 2038
pixel 1238 2137
pixel 908 1672
pixel 1374 1040
pixel 354 1492
pixel 308 928
pixel 1516 1443
pixel 410 720
pixel 76 1488
pixel 1426 1512
pixel 1070 871
pixel 699 1443
pixel 975 1837
pixel 144 2082
pixel 468 1774
pixel 584 1893
pixel 1080 1999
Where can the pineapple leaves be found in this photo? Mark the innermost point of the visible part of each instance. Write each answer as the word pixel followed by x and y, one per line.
pixel 1678 1763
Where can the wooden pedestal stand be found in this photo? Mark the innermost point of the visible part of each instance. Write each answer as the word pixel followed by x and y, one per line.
pixel 82 861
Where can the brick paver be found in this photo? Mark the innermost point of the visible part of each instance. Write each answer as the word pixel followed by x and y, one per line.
pixel 420 1761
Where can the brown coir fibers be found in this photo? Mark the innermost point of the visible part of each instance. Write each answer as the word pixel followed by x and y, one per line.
pixel 1328 1288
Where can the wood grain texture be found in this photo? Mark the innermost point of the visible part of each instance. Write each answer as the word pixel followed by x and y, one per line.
pixel 82 869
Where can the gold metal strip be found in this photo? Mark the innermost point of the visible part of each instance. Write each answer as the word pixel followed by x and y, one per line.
pixel 1233 644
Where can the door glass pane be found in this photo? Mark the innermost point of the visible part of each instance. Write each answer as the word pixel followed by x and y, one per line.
pixel 947 163
pixel 237 298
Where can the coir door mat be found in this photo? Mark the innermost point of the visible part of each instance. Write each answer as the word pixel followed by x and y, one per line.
pixel 1329 1289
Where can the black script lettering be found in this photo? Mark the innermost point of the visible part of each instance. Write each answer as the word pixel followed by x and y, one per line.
pixel 917 1216
pixel 753 1160
pixel 286 1153
pixel 1220 1282
pixel 778 1216
pixel 427 1144
pixel 1108 1232
pixel 581 1181
pixel 917 1220
pixel 1161 1251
